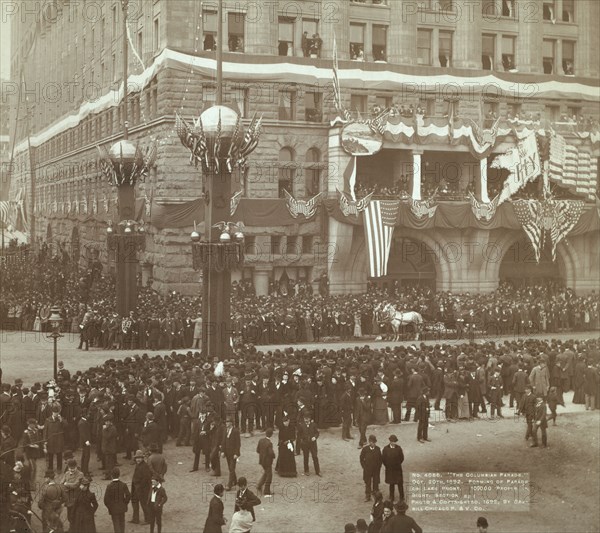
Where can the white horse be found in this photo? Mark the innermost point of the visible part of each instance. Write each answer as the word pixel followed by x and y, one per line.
pixel 397 319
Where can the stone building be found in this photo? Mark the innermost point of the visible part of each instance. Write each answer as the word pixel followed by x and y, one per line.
pixel 484 61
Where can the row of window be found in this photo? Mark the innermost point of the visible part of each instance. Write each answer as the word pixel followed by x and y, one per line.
pixel 94 128
pixel 510 9
pixel 291 245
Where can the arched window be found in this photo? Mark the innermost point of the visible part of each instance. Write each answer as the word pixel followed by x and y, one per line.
pixel 287 171
pixel 312 181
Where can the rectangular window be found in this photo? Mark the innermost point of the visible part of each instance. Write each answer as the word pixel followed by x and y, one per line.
pixel 568 10
pixel 287 105
pixel 382 103
pixel 552 112
pixel 445 53
pixel 115 19
pixel 235 27
pixel 514 111
pixel 426 106
pixel 209 28
pixel 286 36
pixel 239 97
pixel 156 34
pixel 568 57
pixel 358 102
pixel 275 245
pixel 357 42
pixel 488 51
pixel 311 41
pixel 424 47
pixel 307 244
pixel 574 112
pixel 508 53
pixel 508 9
pixel 548 56
pixel 292 247
pixel 313 106
pixel 548 11
pixel 379 43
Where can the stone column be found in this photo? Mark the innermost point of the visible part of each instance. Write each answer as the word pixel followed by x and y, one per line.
pixel 403 33
pixel 467 36
pixel 261 29
pixel 530 36
pixel 416 176
pixel 261 281
pixel 483 181
pixel 335 21
pixel 586 49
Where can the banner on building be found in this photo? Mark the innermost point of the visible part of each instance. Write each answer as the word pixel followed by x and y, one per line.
pixel 308 208
pixel 379 221
pixel 348 206
pixel 572 167
pixel 523 163
pixel 483 210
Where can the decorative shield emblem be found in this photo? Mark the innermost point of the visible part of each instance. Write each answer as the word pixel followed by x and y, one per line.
pixel 357 138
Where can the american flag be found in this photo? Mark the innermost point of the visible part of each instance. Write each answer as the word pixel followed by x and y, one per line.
pixel 380 219
pixel 572 167
pixel 565 214
pixel 529 214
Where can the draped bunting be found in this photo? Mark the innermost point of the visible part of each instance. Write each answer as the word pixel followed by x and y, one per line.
pixel 460 215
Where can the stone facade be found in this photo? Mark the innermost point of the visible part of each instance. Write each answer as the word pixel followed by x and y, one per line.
pixel 83 49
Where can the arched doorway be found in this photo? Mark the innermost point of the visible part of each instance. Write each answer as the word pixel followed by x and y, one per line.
pixel 520 269
pixel 411 264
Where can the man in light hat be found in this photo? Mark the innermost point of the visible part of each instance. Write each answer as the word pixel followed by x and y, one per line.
pixel 392 457
pixel 141 484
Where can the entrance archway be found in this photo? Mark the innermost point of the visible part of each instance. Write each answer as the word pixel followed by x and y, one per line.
pixel 411 264
pixel 519 267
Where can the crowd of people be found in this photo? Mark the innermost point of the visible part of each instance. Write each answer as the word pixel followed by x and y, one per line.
pixel 136 405
pixel 292 312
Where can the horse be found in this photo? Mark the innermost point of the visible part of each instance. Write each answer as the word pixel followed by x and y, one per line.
pixel 399 318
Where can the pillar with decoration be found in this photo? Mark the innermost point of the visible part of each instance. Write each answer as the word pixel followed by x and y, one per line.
pixel 219 145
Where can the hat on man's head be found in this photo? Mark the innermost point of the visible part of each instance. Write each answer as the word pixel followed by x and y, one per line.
pixel 85 481
pixel 49 473
pixel 349 528
pixel 139 454
pixel 154 447
pixel 372 438
pixel 402 506
pixel 393 438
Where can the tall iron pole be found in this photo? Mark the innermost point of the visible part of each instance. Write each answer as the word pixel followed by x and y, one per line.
pixel 216 286
pixel 126 253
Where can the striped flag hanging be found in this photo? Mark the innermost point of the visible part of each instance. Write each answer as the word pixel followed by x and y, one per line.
pixel 350 177
pixel 565 214
pixel 380 219
pixel 572 167
pixel 529 214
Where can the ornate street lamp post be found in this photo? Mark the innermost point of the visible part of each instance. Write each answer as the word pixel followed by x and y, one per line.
pixel 218 143
pixel 123 164
pixel 55 321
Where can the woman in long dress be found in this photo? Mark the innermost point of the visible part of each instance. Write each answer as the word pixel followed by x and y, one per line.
pixel 286 458
pixel 380 405
pixel 308 326
pixel 357 326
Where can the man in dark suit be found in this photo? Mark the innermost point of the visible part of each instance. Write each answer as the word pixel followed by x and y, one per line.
pixel 308 435
pixel 393 457
pixel 244 493
pixel 230 450
pixel 141 483
pixel 160 418
pixel 266 456
pixel 370 460
pixel 527 408
pixel 362 415
pixel 540 422
pixel 215 439
pixel 215 518
pixel 346 408
pixel 402 522
pixel 85 435
pixel 413 390
pixel 54 435
pixel 156 500
pixel 422 415
pixel 116 498
pixel 201 441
